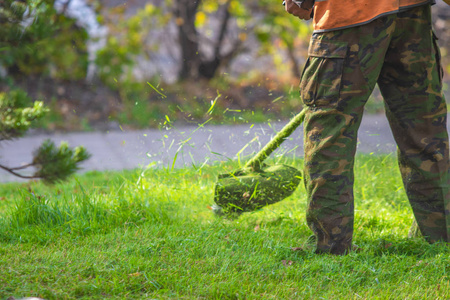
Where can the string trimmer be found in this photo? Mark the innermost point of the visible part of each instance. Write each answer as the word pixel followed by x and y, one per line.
pixel 257 184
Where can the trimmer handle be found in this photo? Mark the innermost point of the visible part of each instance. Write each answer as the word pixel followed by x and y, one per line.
pixel 256 161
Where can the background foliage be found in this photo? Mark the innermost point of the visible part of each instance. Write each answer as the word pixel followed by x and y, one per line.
pixel 36 40
pixel 159 58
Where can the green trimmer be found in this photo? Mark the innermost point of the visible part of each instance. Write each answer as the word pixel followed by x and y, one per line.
pixel 257 184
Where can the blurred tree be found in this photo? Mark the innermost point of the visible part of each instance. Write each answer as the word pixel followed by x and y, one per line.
pixel 267 19
pixel 280 31
pixel 208 35
pixel 36 39
pixel 51 163
pixel 185 12
pixel 194 63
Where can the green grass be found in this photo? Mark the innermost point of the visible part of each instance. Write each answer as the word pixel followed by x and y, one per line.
pixel 150 235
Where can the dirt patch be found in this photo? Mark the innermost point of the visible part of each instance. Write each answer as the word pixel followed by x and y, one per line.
pixel 82 106
pixel 74 103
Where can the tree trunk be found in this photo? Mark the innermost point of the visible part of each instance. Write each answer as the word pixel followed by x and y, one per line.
pixel 185 11
pixel 209 68
pixel 193 64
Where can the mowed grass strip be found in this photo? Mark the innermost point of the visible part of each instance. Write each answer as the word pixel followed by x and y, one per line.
pixel 150 234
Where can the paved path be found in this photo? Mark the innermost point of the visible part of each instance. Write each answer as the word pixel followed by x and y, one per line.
pixel 182 146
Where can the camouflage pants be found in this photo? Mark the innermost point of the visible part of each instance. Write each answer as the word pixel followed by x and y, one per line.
pixel 399 52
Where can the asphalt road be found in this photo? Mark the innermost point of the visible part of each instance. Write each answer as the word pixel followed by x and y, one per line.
pixel 187 146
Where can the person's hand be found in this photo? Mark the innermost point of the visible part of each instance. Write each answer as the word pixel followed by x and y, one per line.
pixel 303 12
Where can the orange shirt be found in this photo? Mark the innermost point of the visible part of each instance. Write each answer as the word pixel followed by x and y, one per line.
pixel 338 14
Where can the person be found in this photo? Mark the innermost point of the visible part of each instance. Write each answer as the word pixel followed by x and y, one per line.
pixel 353 47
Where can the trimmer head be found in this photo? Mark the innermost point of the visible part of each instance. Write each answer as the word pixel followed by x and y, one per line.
pixel 257 185
pixel 246 190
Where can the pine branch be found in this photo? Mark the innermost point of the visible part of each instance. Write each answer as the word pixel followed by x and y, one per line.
pixel 11 170
pixel 22 167
pixel 53 164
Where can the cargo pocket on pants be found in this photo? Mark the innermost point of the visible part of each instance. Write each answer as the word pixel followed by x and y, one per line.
pixel 322 76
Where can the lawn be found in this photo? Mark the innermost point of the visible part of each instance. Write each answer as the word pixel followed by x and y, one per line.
pixel 150 235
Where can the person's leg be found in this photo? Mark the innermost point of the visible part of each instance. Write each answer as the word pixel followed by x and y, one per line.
pixel 340 74
pixel 410 83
